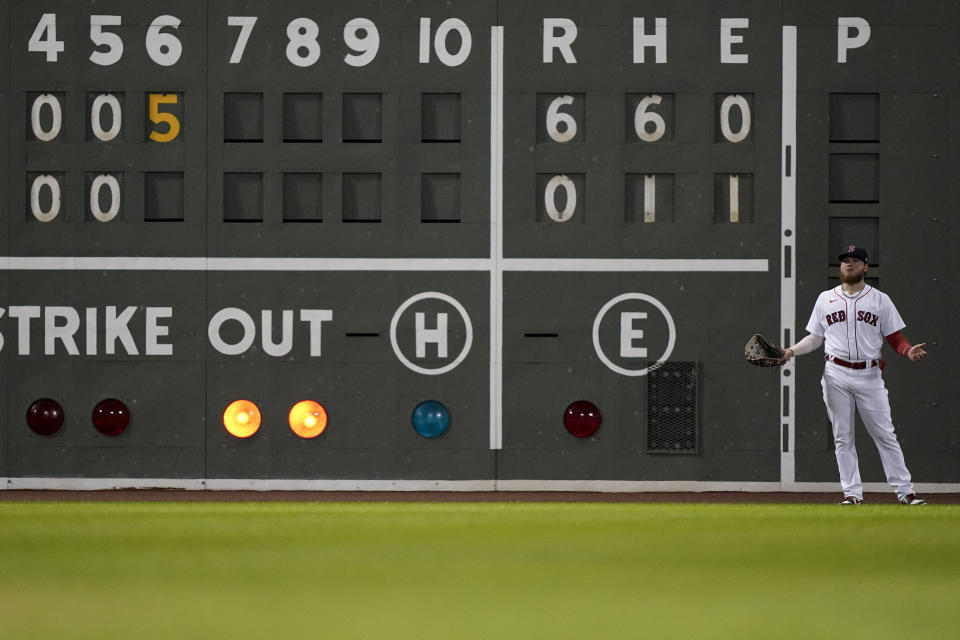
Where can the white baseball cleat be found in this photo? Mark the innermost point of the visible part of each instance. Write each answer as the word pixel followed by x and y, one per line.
pixel 912 500
pixel 851 500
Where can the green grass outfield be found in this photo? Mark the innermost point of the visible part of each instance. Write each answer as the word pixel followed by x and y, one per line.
pixel 477 570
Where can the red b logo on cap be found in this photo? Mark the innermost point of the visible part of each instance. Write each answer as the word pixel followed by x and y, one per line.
pixel 851 249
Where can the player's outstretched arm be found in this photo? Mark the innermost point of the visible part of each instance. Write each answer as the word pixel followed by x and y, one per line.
pixel 899 343
pixel 808 344
pixel 916 352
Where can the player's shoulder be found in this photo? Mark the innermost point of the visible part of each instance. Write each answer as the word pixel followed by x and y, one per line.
pixel 873 291
pixel 830 295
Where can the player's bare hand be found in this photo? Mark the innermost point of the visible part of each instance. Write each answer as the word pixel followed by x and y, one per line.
pixel 916 352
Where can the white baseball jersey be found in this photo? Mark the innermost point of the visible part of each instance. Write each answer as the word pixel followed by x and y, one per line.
pixel 853 327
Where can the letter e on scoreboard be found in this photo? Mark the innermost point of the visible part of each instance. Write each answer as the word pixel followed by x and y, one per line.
pixel 629 335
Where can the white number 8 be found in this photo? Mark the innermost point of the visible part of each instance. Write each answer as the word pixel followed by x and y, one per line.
pixel 303 33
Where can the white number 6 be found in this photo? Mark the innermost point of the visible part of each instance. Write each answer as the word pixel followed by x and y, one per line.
pixel 555 119
pixel 163 48
pixel 642 117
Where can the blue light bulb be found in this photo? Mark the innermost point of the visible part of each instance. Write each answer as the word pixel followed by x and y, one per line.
pixel 430 419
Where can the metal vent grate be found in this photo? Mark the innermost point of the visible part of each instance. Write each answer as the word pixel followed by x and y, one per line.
pixel 672 408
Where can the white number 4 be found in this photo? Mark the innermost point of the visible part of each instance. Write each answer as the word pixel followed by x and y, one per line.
pixel 44 38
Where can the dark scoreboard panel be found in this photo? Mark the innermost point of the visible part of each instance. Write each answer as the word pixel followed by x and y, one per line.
pixel 495 241
pixel 655 149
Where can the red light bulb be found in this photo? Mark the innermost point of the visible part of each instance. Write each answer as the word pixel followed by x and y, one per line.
pixel 111 417
pixel 45 417
pixel 582 419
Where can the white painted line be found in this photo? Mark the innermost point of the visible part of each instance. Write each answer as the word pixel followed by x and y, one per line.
pixel 102 484
pixel 231 484
pixel 590 486
pixel 788 235
pixel 379 264
pixel 496 237
pixel 630 264
pixel 348 264
pixel 12 263
pixel 101 263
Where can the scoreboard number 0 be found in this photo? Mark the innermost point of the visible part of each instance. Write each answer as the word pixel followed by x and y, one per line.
pixel 53 210
pixel 550 198
pixel 49 210
pixel 109 100
pixel 56 117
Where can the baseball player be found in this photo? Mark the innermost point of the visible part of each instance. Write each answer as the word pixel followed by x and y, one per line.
pixel 851 321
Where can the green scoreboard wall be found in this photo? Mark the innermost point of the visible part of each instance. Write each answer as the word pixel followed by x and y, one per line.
pixel 501 244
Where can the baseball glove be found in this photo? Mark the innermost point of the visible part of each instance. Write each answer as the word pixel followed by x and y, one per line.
pixel 761 352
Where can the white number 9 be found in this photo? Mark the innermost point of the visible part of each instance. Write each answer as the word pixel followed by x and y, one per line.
pixel 366 45
pixel 163 48
pixel 555 119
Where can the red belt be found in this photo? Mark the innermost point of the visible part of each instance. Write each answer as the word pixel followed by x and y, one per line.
pixel 852 365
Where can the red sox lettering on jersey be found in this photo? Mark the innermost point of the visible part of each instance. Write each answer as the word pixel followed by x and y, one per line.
pixel 862 316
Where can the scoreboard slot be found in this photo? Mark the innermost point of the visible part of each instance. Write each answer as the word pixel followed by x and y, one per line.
pixel 302 117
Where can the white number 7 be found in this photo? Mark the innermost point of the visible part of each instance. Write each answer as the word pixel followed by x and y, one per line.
pixel 246 27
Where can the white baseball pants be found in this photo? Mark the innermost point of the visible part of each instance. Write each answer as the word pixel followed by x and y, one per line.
pixel 846 390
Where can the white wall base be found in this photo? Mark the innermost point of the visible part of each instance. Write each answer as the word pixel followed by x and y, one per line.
pixel 599 486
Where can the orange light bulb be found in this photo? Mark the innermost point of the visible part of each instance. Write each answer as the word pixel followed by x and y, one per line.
pixel 241 418
pixel 308 419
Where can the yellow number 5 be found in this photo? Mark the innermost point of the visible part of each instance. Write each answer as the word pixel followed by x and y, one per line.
pixel 159 117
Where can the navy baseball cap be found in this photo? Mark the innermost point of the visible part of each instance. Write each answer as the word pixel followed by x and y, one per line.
pixel 853 251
